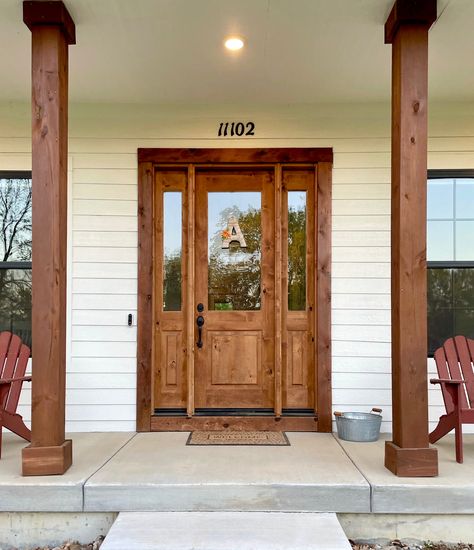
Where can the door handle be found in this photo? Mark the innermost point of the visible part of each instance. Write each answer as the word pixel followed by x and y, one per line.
pixel 199 323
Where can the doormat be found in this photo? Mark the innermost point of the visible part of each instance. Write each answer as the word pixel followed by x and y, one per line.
pixel 228 437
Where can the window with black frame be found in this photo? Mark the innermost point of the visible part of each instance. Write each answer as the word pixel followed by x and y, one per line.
pixel 15 254
pixel 450 255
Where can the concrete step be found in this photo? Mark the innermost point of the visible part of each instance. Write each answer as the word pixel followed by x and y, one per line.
pixel 226 531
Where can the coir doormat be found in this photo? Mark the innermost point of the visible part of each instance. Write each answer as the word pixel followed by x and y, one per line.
pixel 237 438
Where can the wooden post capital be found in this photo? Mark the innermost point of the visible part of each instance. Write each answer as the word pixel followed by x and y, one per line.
pixel 420 12
pixel 49 13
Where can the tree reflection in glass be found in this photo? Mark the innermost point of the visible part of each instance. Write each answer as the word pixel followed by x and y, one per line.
pixel 296 250
pixel 172 245
pixel 450 304
pixel 234 273
pixel 15 246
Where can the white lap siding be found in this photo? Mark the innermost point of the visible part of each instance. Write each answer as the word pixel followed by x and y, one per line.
pixel 101 365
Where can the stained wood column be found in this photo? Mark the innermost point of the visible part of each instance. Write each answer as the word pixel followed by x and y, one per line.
pixel 406 29
pixel 52 31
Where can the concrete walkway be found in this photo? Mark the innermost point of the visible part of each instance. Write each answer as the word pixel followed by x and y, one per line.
pixel 225 531
pixel 115 472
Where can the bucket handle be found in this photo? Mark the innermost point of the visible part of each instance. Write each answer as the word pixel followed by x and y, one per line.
pixel 376 410
pixel 338 413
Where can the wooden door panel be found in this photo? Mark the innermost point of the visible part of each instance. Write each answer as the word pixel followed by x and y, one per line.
pixel 298 349
pixel 234 368
pixel 235 357
pixel 169 380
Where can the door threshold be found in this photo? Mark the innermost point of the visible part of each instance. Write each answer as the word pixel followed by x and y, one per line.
pixel 182 423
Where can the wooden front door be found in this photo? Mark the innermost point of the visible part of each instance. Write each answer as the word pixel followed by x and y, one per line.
pixel 234 289
pixel 232 312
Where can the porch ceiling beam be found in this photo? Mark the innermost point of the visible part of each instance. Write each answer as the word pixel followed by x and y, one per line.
pixel 423 12
pixel 52 30
pixel 49 12
pixel 409 454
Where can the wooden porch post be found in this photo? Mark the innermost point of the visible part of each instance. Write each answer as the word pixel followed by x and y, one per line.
pixel 52 31
pixel 406 29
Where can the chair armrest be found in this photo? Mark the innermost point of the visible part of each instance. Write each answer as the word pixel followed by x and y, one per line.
pixel 446 381
pixel 11 380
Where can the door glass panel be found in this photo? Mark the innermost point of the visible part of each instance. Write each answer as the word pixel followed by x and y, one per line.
pixel 296 250
pixel 234 250
pixel 172 247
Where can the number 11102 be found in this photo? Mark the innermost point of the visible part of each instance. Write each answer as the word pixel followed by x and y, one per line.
pixel 231 129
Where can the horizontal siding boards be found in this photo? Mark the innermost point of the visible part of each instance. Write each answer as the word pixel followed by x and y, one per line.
pixel 109 239
pixel 103 158
pixel 104 223
pixel 104 286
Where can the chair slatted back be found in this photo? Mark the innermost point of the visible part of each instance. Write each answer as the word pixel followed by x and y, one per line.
pixel 454 361
pixel 14 357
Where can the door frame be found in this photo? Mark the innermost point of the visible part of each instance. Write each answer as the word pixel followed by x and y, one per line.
pixel 322 159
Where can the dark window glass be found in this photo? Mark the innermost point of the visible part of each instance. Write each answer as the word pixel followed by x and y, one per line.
pixel 450 304
pixel 15 254
pixel 450 256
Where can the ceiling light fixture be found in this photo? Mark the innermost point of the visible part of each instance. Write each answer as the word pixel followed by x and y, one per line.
pixel 234 43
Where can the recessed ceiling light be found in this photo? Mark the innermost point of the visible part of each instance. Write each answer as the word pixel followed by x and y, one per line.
pixel 234 43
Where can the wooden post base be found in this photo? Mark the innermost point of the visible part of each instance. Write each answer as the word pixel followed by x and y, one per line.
pixel 411 462
pixel 47 461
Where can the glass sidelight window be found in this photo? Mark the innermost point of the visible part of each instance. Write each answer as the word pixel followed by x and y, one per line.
pixel 296 250
pixel 234 250
pixel 173 250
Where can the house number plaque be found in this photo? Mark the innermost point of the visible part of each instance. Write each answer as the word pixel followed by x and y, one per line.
pixel 231 129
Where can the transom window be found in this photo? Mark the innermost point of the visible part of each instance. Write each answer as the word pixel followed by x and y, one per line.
pixel 450 255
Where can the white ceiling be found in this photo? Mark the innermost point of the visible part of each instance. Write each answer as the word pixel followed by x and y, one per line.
pixel 298 51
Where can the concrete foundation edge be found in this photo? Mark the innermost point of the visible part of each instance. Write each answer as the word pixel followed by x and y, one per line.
pixel 452 528
pixel 19 529
pixel 24 529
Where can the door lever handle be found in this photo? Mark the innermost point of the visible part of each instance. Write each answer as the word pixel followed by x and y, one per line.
pixel 199 323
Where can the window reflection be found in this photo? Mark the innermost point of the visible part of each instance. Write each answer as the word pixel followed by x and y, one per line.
pixel 296 250
pixel 172 245
pixel 234 250
pixel 450 304
pixel 15 255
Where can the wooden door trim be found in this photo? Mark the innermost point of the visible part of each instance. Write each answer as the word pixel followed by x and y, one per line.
pixel 147 160
pixel 276 155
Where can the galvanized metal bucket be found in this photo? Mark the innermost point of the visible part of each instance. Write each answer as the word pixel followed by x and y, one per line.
pixel 359 426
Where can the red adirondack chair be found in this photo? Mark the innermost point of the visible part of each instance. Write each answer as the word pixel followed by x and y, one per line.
pixel 455 361
pixel 14 357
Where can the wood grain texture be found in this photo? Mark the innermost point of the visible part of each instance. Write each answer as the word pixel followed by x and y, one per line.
pixel 298 327
pixel 409 12
pixel 238 344
pixel 243 423
pixel 190 289
pixel 49 228
pixel 408 268
pixel 49 12
pixel 145 314
pixel 244 155
pixel 239 171
pixel 280 294
pixel 169 323
pixel 323 296
pixel 46 461
pixel 409 306
pixel 406 462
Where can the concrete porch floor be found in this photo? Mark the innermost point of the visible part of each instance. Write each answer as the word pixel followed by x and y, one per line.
pixel 115 472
